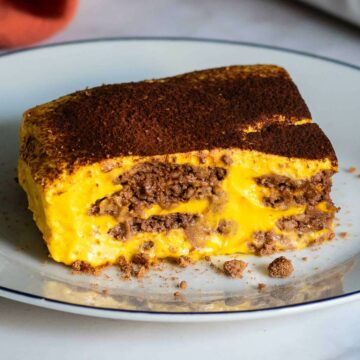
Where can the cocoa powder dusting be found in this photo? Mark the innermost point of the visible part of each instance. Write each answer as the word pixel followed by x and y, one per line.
pixel 141 118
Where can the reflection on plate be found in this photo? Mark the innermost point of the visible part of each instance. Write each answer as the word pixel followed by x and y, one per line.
pixel 320 286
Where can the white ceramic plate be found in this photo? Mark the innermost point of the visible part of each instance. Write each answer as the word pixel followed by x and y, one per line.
pixel 330 275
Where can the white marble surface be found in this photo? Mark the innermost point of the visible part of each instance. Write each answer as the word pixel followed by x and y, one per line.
pixel 28 332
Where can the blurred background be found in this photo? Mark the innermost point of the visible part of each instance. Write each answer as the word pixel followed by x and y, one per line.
pixel 324 27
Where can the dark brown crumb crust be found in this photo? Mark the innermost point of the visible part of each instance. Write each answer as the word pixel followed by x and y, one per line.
pixel 281 267
pixel 159 183
pixel 196 111
pixel 155 223
pixel 311 220
pixel 287 192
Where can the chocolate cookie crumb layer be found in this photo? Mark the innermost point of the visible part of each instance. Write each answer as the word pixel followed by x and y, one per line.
pixel 234 268
pixel 155 223
pixel 287 192
pixel 281 267
pixel 160 183
pixel 310 220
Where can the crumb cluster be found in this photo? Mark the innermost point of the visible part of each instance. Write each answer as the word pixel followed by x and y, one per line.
pixel 281 267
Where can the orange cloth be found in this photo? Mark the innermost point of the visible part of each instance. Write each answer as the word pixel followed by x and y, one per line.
pixel 23 22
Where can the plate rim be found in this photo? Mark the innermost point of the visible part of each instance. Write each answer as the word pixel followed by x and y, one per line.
pixel 186 39
pixel 149 315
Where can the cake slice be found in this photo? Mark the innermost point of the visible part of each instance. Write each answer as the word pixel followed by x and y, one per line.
pixel 212 162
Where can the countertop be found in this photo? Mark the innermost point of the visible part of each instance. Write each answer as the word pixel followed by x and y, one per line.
pixel 28 332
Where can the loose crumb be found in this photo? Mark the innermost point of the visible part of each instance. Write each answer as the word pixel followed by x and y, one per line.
pixel 352 169
pixel 344 234
pixel 141 259
pixel 183 284
pixel 358 176
pixel 125 267
pixel 304 258
pixel 261 286
pixel 234 268
pixel 281 267
pixel 184 261
pixel 140 272
pixel 177 294
pixel 82 267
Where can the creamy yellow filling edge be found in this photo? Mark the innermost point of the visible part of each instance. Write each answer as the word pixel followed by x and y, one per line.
pixel 60 209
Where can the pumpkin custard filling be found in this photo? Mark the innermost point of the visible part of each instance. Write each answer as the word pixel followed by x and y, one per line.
pixel 213 162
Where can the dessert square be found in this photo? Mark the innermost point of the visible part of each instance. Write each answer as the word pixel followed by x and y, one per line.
pixel 212 162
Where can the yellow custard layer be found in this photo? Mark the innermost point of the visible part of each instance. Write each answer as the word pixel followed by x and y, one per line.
pixel 61 208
